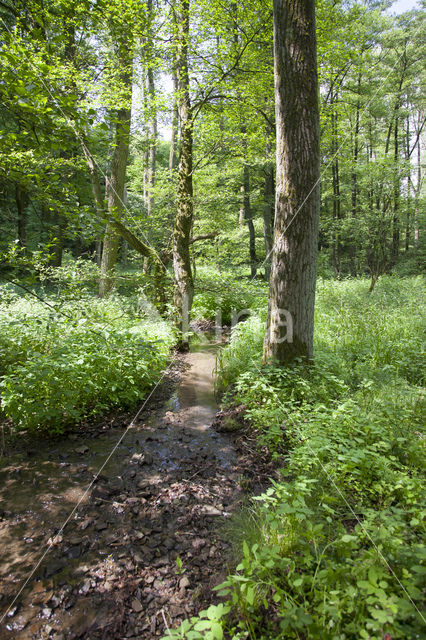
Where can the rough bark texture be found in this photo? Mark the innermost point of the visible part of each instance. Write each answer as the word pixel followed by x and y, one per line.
pixel 153 116
pixel 184 285
pixel 175 124
pixel 115 194
pixel 117 178
pixel 293 273
pixel 268 210
pixel 21 199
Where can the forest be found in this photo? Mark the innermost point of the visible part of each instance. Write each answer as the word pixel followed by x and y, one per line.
pixel 212 292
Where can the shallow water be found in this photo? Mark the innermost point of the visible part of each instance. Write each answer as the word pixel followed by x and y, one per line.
pixel 39 493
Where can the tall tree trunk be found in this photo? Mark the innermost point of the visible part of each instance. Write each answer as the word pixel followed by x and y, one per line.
pixel 249 219
pixel 354 177
pixel 396 193
pixel 417 197
pixel 175 123
pixel 21 199
pixel 268 210
pixel 245 210
pixel 152 143
pixel 184 284
pixel 337 248
pixel 290 322
pixel 152 114
pixel 116 181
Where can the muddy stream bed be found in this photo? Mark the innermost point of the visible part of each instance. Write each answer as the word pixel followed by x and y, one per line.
pixel 165 494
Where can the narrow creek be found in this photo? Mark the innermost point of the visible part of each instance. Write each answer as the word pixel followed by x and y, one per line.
pixel 144 547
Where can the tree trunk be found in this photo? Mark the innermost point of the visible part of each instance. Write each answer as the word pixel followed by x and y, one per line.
pixel 337 248
pixel 116 181
pixel 249 219
pixel 152 114
pixel 21 199
pixel 290 322
pixel 175 124
pixel 268 210
pixel 184 285
pixel 396 193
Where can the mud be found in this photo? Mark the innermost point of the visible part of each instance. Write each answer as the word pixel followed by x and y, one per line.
pixel 143 545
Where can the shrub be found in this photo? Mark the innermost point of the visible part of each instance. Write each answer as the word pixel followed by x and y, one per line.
pixel 222 292
pixel 59 367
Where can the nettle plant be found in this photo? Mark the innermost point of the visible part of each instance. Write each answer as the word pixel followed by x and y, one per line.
pixel 60 367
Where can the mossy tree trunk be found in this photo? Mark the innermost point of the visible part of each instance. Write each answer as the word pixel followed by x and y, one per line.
pixel 117 178
pixel 184 284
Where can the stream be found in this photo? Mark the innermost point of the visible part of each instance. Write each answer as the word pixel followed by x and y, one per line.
pixel 144 548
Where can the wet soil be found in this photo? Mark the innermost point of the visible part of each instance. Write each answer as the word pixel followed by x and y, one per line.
pixel 144 544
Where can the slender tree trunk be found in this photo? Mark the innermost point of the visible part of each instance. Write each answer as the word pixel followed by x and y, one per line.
pixel 417 196
pixel 354 177
pixel 337 248
pixel 152 114
pixel 184 285
pixel 268 210
pixel 116 182
pixel 21 199
pixel 152 143
pixel 175 124
pixel 245 210
pixel 396 194
pixel 290 322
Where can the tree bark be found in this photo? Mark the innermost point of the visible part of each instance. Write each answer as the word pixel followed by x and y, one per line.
pixel 268 210
pixel 116 181
pixel 184 285
pixel 290 322
pixel 175 124
pixel 152 115
pixel 21 199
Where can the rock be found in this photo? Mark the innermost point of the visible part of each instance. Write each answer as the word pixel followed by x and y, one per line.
pixel 148 459
pixel 74 552
pixel 138 556
pixel 210 510
pixel 82 450
pixel 85 587
pixel 86 522
pixel 53 567
pixel 100 525
pixel 137 605
pixel 184 583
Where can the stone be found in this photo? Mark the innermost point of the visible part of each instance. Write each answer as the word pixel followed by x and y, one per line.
pixel 184 583
pixel 137 605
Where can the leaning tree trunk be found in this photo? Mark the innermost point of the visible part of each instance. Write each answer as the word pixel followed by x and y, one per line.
pixel 290 323
pixel 184 285
pixel 117 178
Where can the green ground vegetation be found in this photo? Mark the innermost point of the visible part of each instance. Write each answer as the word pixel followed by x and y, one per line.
pixel 335 547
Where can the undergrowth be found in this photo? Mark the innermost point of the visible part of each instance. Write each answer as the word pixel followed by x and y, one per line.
pixel 78 357
pixel 335 547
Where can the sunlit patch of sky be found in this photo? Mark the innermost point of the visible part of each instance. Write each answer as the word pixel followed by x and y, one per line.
pixel 399 6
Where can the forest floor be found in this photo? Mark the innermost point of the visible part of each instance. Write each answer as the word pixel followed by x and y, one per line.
pixel 148 539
